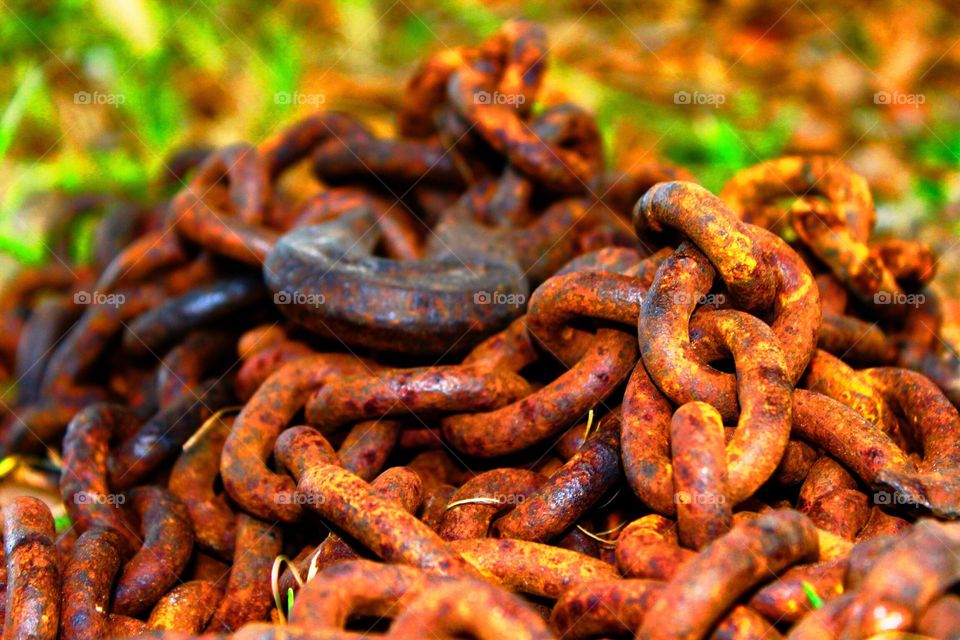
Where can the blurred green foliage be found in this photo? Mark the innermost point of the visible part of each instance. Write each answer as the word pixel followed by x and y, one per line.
pixel 173 65
pixel 139 54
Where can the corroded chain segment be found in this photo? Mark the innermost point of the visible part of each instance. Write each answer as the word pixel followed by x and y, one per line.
pixel 464 380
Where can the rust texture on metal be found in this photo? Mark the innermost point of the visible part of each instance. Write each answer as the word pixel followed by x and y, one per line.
pixel 466 380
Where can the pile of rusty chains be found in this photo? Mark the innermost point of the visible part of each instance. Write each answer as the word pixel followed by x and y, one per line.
pixel 471 435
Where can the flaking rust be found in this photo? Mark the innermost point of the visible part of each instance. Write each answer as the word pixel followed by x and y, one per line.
pixel 466 380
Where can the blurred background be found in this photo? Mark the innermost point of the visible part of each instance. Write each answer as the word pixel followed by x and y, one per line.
pixel 95 94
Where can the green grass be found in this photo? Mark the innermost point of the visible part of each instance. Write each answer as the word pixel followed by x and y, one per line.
pixel 156 54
